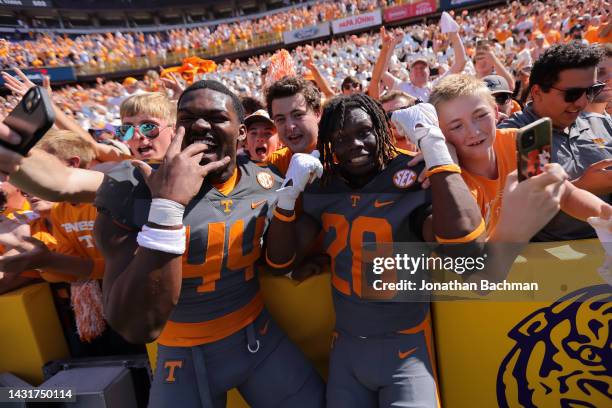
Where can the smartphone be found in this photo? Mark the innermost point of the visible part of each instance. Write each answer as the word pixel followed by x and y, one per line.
pixel 32 118
pixel 533 148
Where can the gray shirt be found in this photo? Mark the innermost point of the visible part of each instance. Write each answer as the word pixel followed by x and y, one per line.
pixel 575 148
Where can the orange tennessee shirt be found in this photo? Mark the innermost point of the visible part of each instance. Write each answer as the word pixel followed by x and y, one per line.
pixel 72 226
pixel 488 192
pixel 281 159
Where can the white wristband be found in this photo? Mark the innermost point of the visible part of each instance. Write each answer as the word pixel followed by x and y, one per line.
pixel 170 241
pixel 166 212
pixel 435 150
pixel 286 203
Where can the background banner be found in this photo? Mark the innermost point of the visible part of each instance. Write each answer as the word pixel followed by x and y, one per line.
pixel 57 74
pixel 307 33
pixel 407 11
pixel 357 22
pixel 453 4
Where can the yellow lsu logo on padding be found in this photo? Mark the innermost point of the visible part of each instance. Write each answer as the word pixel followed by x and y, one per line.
pixel 562 354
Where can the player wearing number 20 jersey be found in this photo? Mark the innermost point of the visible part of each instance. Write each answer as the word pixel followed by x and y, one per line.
pixel 390 208
pixel 381 352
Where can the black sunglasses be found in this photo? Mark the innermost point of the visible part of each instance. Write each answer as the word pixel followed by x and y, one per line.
pixel 390 113
pixel 502 98
pixel 573 94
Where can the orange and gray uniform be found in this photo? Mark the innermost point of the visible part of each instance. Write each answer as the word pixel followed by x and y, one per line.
pixel 381 352
pixel 219 335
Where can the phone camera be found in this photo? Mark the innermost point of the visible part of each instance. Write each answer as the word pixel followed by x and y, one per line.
pixel 528 140
pixel 30 102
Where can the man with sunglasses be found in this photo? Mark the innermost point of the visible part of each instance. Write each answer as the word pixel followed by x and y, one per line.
pixel 562 82
pixel 351 85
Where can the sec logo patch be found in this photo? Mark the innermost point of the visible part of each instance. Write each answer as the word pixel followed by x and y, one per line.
pixel 265 180
pixel 404 178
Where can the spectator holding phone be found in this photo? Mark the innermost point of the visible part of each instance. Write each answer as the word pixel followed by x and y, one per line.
pixel 487 157
pixel 562 83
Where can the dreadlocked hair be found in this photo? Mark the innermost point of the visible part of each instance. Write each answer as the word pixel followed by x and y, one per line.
pixel 332 120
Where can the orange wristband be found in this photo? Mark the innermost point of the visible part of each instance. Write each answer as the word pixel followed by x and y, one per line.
pixel 282 217
pixel 467 238
pixel 451 168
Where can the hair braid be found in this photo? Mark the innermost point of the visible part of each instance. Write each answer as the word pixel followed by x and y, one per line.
pixel 332 120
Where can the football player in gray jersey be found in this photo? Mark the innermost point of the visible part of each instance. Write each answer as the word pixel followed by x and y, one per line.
pixel 181 242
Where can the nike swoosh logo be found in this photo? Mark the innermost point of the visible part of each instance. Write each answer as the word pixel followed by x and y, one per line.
pixel 256 204
pixel 264 329
pixel 378 204
pixel 405 354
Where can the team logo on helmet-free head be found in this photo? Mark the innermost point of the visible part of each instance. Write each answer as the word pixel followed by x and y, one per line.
pixel 562 356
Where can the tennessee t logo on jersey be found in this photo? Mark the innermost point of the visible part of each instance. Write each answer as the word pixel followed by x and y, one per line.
pixel 227 205
pixel 404 178
pixel 354 200
pixel 172 365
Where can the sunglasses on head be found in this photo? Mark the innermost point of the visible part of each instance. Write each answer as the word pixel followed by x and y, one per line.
pixel 573 94
pixel 502 98
pixel 390 113
pixel 148 130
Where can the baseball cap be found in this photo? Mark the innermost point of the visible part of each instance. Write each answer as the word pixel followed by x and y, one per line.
pixel 496 84
pixel 419 59
pixel 258 116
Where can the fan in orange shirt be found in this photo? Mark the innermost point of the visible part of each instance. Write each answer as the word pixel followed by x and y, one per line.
pixel 467 115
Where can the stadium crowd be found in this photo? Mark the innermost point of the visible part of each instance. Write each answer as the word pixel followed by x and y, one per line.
pixel 100 50
pixel 425 115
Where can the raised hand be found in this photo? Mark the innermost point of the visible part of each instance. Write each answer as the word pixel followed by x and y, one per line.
pixel 303 169
pixel 309 60
pixel 179 178
pixel 17 87
pixel 174 84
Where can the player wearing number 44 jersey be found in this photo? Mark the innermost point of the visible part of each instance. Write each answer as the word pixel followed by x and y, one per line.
pixel 188 277
pixel 381 354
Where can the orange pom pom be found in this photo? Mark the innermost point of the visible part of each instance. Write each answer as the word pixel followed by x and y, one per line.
pixel 86 297
pixel 279 65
